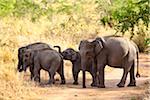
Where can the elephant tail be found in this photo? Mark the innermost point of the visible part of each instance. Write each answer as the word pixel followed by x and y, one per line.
pixel 137 74
pixel 59 49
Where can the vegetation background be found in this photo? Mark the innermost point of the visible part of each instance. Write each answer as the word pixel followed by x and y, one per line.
pixel 64 23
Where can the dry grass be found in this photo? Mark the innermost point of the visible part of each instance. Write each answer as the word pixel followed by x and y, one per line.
pixel 15 33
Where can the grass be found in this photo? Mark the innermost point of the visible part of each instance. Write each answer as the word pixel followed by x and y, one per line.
pixel 66 30
pixel 15 32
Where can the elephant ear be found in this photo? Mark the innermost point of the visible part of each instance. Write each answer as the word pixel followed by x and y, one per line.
pixel 32 54
pixel 81 42
pixel 99 45
pixel 74 56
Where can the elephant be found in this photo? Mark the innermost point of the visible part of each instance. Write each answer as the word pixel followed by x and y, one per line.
pixel 74 56
pixel 33 46
pixel 114 51
pixel 46 59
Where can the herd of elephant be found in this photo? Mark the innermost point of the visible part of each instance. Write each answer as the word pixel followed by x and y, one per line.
pixel 93 56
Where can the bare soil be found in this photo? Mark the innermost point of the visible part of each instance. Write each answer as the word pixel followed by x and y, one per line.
pixel 111 92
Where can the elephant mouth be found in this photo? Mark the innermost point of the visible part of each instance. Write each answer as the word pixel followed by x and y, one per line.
pixel 67 57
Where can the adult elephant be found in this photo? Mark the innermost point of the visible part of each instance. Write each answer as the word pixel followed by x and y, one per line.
pixel 46 59
pixel 22 50
pixel 114 51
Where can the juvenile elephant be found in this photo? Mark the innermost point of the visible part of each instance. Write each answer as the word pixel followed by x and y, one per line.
pixel 46 59
pixel 34 46
pixel 74 56
pixel 113 51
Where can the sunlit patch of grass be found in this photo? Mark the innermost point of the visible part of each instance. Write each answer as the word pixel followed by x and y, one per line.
pixel 65 30
pixel 61 29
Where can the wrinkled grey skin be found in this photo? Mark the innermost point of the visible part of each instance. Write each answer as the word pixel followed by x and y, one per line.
pixel 74 56
pixel 34 46
pixel 46 59
pixel 113 51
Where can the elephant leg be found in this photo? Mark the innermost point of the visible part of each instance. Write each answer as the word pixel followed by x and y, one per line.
pixel 37 75
pixel 126 69
pixel 75 75
pixel 123 79
pixel 61 73
pixel 132 77
pixel 32 72
pixel 93 74
pixel 36 68
pixel 93 84
pixel 51 77
pixel 101 76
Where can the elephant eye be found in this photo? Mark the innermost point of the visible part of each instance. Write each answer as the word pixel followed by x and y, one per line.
pixel 87 53
pixel 65 53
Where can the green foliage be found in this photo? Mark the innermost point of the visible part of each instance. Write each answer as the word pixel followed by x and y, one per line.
pixel 22 8
pixel 124 15
pixel 6 7
pixel 127 16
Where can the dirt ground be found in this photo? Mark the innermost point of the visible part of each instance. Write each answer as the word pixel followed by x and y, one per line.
pixel 111 92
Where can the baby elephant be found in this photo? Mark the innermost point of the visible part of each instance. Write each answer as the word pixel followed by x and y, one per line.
pixel 74 57
pixel 46 59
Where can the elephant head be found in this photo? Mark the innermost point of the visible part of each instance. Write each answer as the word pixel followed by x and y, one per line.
pixel 27 59
pixel 88 51
pixel 69 54
pixel 20 58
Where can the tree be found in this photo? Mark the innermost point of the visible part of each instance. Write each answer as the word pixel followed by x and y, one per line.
pixel 127 16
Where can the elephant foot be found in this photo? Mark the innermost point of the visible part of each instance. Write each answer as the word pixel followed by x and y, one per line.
pixel 31 78
pixel 101 86
pixel 37 79
pixel 75 83
pixel 132 84
pixel 63 82
pixel 93 85
pixel 83 86
pixel 50 82
pixel 120 85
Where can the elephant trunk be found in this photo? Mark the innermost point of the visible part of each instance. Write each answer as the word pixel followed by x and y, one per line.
pixel 20 68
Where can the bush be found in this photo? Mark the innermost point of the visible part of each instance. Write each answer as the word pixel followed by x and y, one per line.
pixel 127 16
pixel 143 41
